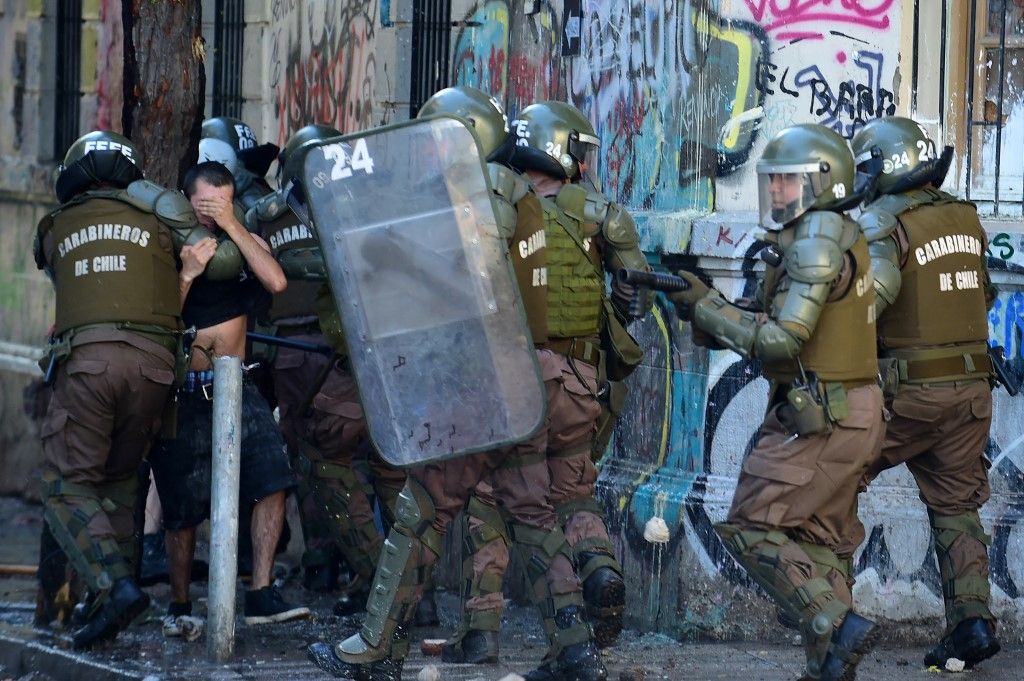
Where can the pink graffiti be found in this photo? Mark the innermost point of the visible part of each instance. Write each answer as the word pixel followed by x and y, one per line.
pixel 776 14
pixel 724 235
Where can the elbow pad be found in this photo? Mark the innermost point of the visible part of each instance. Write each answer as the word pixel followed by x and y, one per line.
pixel 730 326
pixel 886 272
pixel 226 262
pixel 303 264
pixel 801 305
pixel 740 331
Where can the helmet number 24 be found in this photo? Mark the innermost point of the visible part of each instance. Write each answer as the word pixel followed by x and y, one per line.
pixel 344 163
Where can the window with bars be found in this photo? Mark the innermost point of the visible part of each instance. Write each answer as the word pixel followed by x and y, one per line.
pixel 995 106
pixel 68 95
pixel 228 33
pixel 431 50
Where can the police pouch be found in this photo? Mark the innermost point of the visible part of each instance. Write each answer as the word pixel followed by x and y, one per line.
pixel 806 413
pixel 623 353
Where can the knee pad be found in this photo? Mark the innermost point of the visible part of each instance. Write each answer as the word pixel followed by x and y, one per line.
pixel 414 515
pixel 966 596
pixel 540 548
pixel 99 562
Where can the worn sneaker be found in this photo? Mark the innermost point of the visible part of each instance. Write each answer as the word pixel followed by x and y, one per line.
pixel 265 605
pixel 179 622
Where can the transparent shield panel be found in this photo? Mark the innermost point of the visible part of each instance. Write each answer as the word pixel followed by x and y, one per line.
pixel 435 327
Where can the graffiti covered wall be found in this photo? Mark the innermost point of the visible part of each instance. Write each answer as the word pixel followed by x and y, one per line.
pixel 684 95
pixel 327 64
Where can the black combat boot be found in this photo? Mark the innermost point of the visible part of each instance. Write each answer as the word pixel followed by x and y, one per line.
pixel 475 647
pixel 850 642
pixel 426 611
pixel 389 669
pixel 125 602
pixel 575 662
pixel 604 592
pixel 972 641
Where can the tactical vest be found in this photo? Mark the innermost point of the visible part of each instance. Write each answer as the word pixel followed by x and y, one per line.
pixel 528 249
pixel 283 233
pixel 575 285
pixel 111 263
pixel 942 295
pixel 842 344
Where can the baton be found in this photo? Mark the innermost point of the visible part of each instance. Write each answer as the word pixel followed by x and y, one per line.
pixel 667 283
pixel 289 343
pixel 1003 377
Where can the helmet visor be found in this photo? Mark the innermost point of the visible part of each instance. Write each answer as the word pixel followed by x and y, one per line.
pixel 786 192
pixel 584 148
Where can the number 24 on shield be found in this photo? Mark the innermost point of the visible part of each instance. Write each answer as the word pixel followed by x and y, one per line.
pixel 344 163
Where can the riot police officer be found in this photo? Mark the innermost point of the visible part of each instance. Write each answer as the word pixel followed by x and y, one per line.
pixel 293 315
pixel 795 501
pixel 934 291
pixel 333 434
pixel 609 237
pixel 520 476
pixel 110 250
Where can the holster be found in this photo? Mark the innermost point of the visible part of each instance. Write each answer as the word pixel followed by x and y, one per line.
pixel 888 376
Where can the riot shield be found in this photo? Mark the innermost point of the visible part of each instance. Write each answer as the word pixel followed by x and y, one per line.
pixel 436 330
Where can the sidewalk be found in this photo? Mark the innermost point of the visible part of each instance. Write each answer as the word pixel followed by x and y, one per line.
pixel 278 651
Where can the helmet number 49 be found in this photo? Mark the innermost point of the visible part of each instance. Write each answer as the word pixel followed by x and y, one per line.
pixel 344 164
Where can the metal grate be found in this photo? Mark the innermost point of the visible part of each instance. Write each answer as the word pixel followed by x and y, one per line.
pixel 987 111
pixel 228 34
pixel 431 50
pixel 68 94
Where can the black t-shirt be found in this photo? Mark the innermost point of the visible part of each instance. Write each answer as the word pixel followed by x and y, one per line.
pixel 212 302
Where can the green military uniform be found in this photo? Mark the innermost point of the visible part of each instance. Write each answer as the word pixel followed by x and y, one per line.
pixel 111 255
pixel 795 500
pixel 928 255
pixel 518 475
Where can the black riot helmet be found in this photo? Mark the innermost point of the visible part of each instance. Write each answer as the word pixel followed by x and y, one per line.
pixel 255 157
pixel 97 158
pixel 289 162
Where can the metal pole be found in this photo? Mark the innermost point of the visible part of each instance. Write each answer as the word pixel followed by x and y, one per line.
pixel 227 441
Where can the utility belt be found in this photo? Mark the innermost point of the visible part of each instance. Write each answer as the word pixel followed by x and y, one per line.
pixel 580 350
pixel 575 348
pixel 810 406
pixel 933 365
pixel 60 347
